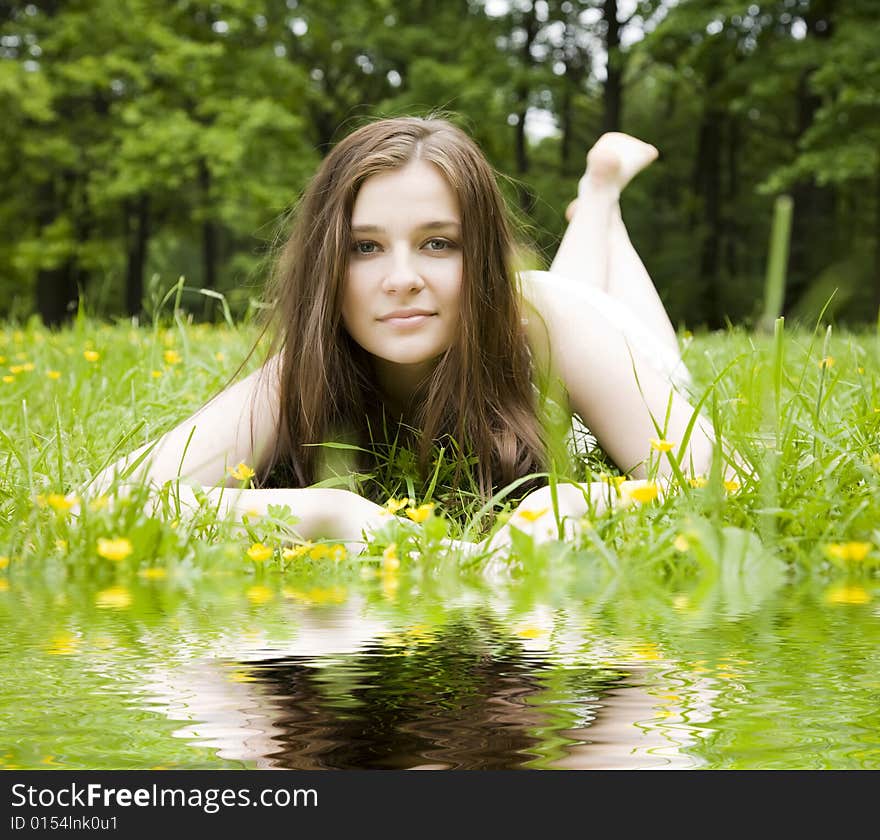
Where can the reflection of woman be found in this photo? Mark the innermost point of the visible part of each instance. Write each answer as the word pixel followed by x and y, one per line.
pixel 463 696
pixel 395 302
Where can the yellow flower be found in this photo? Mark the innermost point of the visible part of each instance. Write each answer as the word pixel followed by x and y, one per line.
pixel 390 561
pixel 295 551
pixel 114 598
pixel 172 357
pixel 661 445
pixel 319 552
pixel 640 492
pixel 4 561
pixel 153 573
pixel 241 677
pixel 220 357
pixel 531 515
pixel 91 355
pixel 861 369
pixel 681 543
pixel 847 595
pixel 390 583
pixel 53 374
pixel 116 549
pixel 616 480
pixel 99 503
pixel 646 652
pixel 61 545
pixel 16 368
pixel 241 473
pixel 645 494
pixel 394 505
pixel 61 503
pixel 421 513
pixel 259 552
pixel 8 378
pixel 259 594
pixel 337 552
pixel 698 481
pixel 155 373
pixel 731 486
pixel 62 645
pixel 850 551
pixel 531 632
pixel 827 362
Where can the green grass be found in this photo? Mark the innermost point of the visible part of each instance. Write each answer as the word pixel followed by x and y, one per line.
pixel 71 401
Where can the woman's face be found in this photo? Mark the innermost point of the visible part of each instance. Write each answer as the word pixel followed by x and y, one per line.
pixel 401 295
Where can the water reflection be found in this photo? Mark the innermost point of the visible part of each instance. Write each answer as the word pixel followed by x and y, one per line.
pixel 217 669
pixel 467 696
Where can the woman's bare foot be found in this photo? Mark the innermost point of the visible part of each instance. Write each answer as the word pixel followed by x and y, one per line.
pixel 614 160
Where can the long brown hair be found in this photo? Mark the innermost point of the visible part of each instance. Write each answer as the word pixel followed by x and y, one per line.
pixel 480 393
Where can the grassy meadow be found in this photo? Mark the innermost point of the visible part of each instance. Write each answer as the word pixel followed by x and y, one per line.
pixel 802 408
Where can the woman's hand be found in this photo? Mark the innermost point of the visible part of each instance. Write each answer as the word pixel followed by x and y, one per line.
pixel 541 519
pixel 321 513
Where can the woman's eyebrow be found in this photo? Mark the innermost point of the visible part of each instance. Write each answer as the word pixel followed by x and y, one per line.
pixel 437 225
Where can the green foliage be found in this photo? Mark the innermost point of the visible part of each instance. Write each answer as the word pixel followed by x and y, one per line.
pixel 142 139
pixel 800 411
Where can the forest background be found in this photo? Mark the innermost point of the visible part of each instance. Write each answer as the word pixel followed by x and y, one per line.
pixel 145 140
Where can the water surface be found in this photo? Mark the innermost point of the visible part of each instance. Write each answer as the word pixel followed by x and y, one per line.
pixel 202 670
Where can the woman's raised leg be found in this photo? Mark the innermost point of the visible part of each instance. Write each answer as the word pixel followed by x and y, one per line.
pixel 596 247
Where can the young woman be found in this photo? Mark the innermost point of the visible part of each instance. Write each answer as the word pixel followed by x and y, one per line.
pixel 396 305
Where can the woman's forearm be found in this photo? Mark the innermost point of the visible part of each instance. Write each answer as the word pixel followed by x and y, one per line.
pixel 321 513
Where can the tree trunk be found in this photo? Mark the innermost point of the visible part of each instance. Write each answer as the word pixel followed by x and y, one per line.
pixel 530 23
pixel 209 239
pixel 707 183
pixel 731 193
pixel 56 294
pixel 877 251
pixel 576 60
pixel 612 94
pixel 565 124
pixel 524 195
pixel 137 237
pixel 56 291
pixel 812 244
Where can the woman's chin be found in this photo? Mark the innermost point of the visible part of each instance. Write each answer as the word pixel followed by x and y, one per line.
pixel 410 359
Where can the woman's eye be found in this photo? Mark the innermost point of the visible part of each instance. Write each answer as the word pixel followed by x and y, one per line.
pixel 438 244
pixel 365 247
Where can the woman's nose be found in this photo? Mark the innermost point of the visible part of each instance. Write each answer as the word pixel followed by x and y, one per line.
pixel 402 274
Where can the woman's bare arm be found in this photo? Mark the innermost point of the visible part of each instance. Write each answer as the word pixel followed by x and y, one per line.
pixel 239 424
pixel 321 512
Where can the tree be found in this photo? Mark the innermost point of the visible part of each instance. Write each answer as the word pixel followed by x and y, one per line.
pixel 146 121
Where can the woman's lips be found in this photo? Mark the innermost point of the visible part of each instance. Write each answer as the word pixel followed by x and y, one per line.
pixel 408 321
